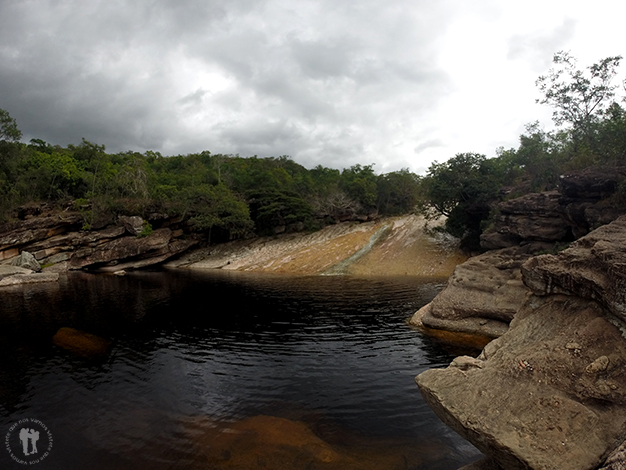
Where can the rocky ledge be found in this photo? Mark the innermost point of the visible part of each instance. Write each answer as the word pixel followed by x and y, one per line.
pixel 484 293
pixel 550 393
pixel 58 242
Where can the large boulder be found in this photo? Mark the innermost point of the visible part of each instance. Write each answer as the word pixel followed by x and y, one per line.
pixel 532 217
pixel 481 297
pixel 583 202
pixel 549 394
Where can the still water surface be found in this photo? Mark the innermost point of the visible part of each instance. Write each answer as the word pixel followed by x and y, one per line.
pixel 311 371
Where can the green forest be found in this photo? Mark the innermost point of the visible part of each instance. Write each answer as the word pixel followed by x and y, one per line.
pixel 228 196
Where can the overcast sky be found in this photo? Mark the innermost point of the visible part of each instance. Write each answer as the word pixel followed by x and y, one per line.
pixel 397 83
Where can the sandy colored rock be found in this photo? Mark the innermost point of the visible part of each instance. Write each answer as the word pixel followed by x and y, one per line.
pixel 9 270
pixel 531 402
pixel 396 246
pixel 81 343
pixel 482 295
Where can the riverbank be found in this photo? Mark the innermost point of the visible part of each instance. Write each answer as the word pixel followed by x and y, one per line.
pixel 387 247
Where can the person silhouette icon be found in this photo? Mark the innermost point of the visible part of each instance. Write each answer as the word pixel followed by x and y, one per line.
pixel 34 437
pixel 24 437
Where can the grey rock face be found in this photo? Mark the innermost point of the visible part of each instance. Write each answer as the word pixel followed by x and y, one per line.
pixel 26 260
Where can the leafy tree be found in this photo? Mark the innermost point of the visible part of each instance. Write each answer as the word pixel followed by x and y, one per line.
pixel 359 183
pixel 397 192
pixel 271 208
pixel 579 97
pixel 462 189
pixel 217 209
pixel 8 127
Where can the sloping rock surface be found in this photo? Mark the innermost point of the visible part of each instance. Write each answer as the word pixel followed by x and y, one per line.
pixel 394 246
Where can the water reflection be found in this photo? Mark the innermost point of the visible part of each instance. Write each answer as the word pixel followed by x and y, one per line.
pixel 196 354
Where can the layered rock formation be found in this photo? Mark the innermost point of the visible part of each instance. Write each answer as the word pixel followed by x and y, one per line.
pixel 583 202
pixel 484 293
pixel 56 239
pixel 550 392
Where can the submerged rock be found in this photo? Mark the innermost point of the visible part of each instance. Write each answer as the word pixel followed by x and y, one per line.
pixel 81 343
pixel 270 442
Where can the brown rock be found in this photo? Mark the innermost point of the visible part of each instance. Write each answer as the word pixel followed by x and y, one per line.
pixel 532 217
pixel 120 249
pixel 269 442
pixel 530 402
pixel 592 184
pixel 81 343
pixel 37 228
pixel 481 297
pixel 593 267
pixel 617 459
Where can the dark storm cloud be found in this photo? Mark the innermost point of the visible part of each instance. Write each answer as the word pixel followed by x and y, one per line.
pixel 327 82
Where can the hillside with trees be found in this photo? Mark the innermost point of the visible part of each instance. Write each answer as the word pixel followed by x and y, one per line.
pixel 221 196
pixel 225 197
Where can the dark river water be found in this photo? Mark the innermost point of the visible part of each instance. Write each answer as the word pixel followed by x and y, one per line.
pixel 224 370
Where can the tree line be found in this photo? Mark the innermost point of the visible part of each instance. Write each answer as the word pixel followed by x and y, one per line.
pixel 224 196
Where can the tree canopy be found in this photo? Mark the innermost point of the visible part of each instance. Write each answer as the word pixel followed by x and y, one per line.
pixel 223 196
pixel 8 127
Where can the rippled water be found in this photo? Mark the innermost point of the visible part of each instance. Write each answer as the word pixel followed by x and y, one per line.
pixel 196 356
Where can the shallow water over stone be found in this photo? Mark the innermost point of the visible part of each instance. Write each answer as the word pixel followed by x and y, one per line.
pixel 226 370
